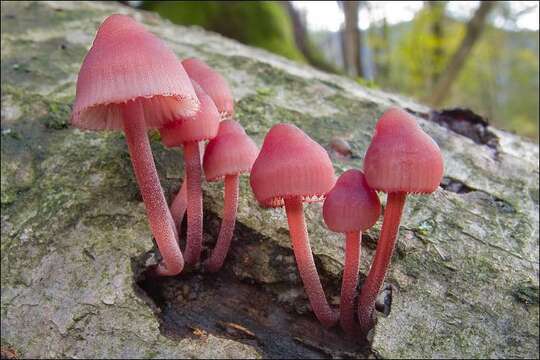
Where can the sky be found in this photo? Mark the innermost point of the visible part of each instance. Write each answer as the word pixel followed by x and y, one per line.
pixel 326 15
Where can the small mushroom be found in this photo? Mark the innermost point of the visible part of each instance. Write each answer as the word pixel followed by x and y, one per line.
pixel 228 155
pixel 217 88
pixel 291 169
pixel 341 147
pixel 400 160
pixel 190 132
pixel 350 208
pixel 213 83
pixel 130 81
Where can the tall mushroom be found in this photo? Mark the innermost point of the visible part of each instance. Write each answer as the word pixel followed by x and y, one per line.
pixel 217 88
pixel 130 81
pixel 292 168
pixel 350 208
pixel 228 155
pixel 189 132
pixel 400 160
pixel 213 83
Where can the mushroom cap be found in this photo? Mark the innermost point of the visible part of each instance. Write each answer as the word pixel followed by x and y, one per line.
pixel 202 126
pixel 126 62
pixel 351 205
pixel 290 164
pixel 230 152
pixel 402 157
pixel 213 83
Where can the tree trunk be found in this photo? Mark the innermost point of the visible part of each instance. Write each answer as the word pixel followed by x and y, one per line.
pixel 351 39
pixel 436 11
pixel 299 28
pixel 474 30
pixel 303 42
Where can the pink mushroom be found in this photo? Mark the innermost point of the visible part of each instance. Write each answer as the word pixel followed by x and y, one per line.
pixel 217 88
pixel 228 155
pixel 213 83
pixel 189 132
pixel 131 81
pixel 350 208
pixel 401 159
pixel 290 169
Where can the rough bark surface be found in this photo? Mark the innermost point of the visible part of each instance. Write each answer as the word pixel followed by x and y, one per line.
pixel 75 238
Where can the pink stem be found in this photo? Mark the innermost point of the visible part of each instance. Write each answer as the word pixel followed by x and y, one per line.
pixel 305 263
pixel 383 255
pixel 156 206
pixel 192 162
pixel 227 224
pixel 179 206
pixel 350 282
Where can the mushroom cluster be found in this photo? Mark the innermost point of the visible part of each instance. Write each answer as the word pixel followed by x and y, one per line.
pixel 401 159
pixel 130 81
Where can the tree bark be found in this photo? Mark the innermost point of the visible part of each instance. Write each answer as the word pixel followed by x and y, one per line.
pixel 474 29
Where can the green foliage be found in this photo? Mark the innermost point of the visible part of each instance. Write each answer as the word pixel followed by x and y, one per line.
pixel 366 83
pixel 420 56
pixel 499 79
pixel 263 24
pixel 526 292
pixel 316 58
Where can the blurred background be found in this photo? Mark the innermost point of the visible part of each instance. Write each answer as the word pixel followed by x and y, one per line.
pixel 477 55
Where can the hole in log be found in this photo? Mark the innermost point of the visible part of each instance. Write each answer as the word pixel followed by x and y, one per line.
pixel 229 306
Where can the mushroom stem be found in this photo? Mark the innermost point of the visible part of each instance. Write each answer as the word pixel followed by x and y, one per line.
pixel 179 205
pixel 350 281
pixel 157 210
pixel 383 255
pixel 230 207
pixel 305 263
pixel 192 162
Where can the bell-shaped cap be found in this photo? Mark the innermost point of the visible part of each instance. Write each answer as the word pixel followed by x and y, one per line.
pixel 128 63
pixel 213 83
pixel 351 205
pixel 290 164
pixel 202 126
pixel 231 152
pixel 402 157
